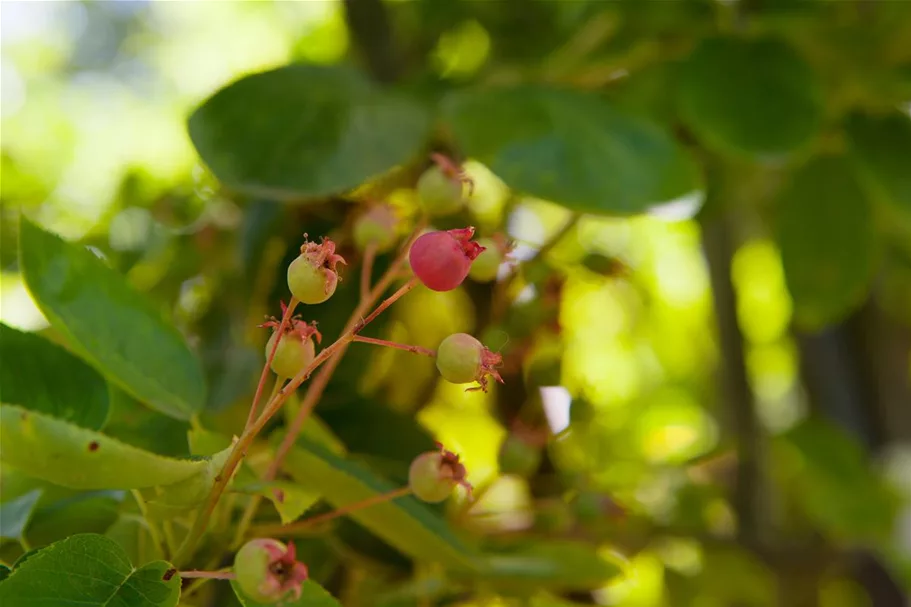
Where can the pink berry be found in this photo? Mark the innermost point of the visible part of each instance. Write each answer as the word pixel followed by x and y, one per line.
pixel 441 260
pixel 376 227
pixel 462 359
pixel 434 474
pixel 312 277
pixel 267 571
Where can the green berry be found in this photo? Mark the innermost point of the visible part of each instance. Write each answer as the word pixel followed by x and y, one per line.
pixel 267 571
pixel 486 266
pixel 376 227
pixel 425 479
pixel 518 456
pixel 311 284
pixel 439 193
pixel 292 355
pixel 459 358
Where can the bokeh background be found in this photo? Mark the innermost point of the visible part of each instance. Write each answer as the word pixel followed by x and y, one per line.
pixel 760 460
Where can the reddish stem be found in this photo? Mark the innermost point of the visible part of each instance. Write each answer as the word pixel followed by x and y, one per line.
pixel 210 575
pixel 398 346
pixel 412 283
pixel 367 269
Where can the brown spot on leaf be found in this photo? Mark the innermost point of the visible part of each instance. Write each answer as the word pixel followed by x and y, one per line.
pixel 279 495
pixel 168 574
pixel 93 446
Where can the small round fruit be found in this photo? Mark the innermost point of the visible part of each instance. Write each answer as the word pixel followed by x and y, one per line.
pixel 487 265
pixel 292 355
pixel 439 193
pixel 459 358
pixel 312 276
pixel 376 227
pixel 518 456
pixel 426 480
pixel 441 260
pixel 267 571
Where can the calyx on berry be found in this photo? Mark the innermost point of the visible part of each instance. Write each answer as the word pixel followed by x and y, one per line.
pixel 434 474
pixel 267 571
pixel 441 260
pixel 462 359
pixel 440 188
pixel 487 265
pixel 295 349
pixel 377 227
pixel 312 276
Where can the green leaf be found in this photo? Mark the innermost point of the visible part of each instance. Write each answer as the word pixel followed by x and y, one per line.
pixel 835 484
pixel 312 595
pixel 563 565
pixel 305 131
pixel 88 570
pixel 882 146
pixel 405 523
pixel 290 500
pixel 754 97
pixel 826 233
pixel 132 533
pixel 4 572
pixel 16 513
pixel 570 147
pixel 42 376
pixel 54 450
pixel 144 428
pixel 113 327
pixel 85 512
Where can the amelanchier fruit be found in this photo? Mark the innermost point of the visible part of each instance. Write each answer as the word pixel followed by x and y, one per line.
pixel 268 572
pixel 434 474
pixel 487 265
pixel 296 349
pixel 462 359
pixel 312 276
pixel 376 227
pixel 441 188
pixel 441 260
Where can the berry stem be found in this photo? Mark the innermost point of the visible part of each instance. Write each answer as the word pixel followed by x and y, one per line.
pixel 286 319
pixel 397 346
pixel 209 575
pixel 367 269
pixel 300 527
pixel 249 434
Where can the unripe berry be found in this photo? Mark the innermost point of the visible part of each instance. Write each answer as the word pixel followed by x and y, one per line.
pixel 462 359
pixel 295 350
pixel 434 474
pixel 487 265
pixel 440 188
pixel 267 571
pixel 375 227
pixel 518 456
pixel 312 277
pixel 441 260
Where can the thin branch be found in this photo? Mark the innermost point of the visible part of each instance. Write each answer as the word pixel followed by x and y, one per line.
pixel 396 345
pixel 367 269
pixel 286 319
pixel 209 575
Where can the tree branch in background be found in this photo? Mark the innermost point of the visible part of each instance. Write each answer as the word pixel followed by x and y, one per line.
pixel 737 396
pixel 370 29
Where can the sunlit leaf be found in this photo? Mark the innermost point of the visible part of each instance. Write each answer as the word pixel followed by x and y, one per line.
pixel 74 457
pixel 827 237
pixel 756 97
pixel 405 523
pixel 312 595
pixel 42 376
pixel 305 131
pixel 116 329
pixel 570 147
pixel 290 500
pixel 88 570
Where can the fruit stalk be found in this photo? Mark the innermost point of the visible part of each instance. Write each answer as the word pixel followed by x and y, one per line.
pixel 286 319
pixel 397 346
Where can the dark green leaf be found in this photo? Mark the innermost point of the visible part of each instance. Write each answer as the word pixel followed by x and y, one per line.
pixel 16 513
pixel 145 428
pixel 569 147
pixel 305 131
pixel 115 328
pixel 42 376
pixel 404 523
pixel 826 234
pixel 85 512
pixel 53 450
pixel 755 97
pixel 4 572
pixel 88 570
pixel 882 145
pixel 312 595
